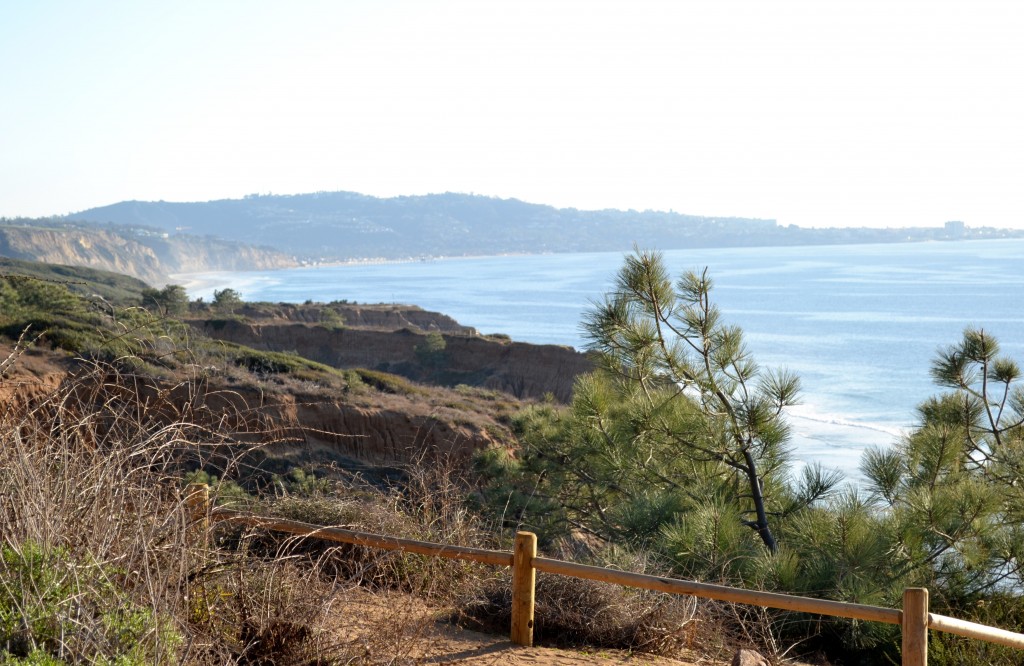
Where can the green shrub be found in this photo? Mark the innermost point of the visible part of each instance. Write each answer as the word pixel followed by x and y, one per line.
pixel 70 322
pixel 264 363
pixel 279 363
pixel 223 491
pixel 331 319
pixel 52 606
pixel 389 383
pixel 354 382
pixel 36 599
pixel 302 483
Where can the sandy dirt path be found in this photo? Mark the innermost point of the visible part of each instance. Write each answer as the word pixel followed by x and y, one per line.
pixel 406 629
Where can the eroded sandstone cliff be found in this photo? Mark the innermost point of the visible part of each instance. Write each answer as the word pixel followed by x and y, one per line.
pixel 520 369
pixel 94 249
pixel 148 256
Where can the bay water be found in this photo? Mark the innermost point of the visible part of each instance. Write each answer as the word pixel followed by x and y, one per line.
pixel 860 324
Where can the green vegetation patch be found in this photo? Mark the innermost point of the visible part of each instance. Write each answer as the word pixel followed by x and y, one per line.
pixel 113 287
pixel 389 383
pixel 278 363
pixel 53 608
pixel 68 321
pixel 678 445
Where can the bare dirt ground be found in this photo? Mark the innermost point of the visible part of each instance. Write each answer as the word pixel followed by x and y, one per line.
pixel 405 630
pixel 29 373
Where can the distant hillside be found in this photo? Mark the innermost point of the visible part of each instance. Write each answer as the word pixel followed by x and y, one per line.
pixel 345 225
pixel 145 253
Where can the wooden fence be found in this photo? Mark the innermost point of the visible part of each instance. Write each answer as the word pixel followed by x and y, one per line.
pixel 914 618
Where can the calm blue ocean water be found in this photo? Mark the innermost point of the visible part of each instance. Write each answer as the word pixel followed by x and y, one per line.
pixel 859 324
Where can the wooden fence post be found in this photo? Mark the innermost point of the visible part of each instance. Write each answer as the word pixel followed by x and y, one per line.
pixel 915 626
pixel 524 578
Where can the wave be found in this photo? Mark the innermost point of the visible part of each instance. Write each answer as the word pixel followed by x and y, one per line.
pixel 249 284
pixel 805 413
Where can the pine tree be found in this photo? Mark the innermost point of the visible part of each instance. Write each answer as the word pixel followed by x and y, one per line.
pixel 953 490
pixel 678 437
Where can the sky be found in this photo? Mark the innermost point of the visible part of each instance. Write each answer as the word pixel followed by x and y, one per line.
pixel 838 113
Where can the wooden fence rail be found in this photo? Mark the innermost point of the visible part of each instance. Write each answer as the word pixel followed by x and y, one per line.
pixel 914 619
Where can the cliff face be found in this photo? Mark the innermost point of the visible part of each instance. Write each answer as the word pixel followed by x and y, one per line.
pixel 149 257
pixel 318 427
pixel 523 370
pixel 35 373
pixel 72 247
pixel 303 426
pixel 375 435
pixel 191 254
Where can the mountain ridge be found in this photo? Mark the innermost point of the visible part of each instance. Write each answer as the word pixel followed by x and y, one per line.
pixel 340 226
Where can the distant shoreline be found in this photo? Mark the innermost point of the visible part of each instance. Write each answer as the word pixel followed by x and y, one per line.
pixel 371 261
pixel 374 261
pixel 195 281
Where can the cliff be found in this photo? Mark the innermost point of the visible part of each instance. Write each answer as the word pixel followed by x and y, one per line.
pixel 387 434
pixel 520 369
pixel 377 317
pixel 143 254
pixel 193 254
pixel 95 249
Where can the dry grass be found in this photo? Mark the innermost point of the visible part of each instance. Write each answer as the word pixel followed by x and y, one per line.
pixel 92 522
pixel 576 612
pixel 103 563
pixel 427 504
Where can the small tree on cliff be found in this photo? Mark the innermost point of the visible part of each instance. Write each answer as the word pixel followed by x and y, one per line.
pixel 171 300
pixel 227 300
pixel 431 352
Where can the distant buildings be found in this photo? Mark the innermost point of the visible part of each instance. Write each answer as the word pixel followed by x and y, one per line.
pixel 955 229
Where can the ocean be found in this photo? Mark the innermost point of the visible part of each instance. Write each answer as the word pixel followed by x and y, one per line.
pixel 859 324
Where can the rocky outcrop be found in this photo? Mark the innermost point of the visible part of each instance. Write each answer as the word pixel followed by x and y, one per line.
pixel 745 657
pixel 521 369
pixel 297 427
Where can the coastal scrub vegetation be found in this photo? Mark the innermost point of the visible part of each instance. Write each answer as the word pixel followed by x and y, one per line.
pixel 673 457
pixel 102 560
pixel 89 282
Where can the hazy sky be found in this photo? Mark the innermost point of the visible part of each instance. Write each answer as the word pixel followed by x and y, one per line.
pixel 815 113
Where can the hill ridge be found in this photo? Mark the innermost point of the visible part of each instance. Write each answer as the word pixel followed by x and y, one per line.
pixel 338 226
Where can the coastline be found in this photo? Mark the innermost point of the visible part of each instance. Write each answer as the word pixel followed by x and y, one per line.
pixel 373 261
pixel 859 324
